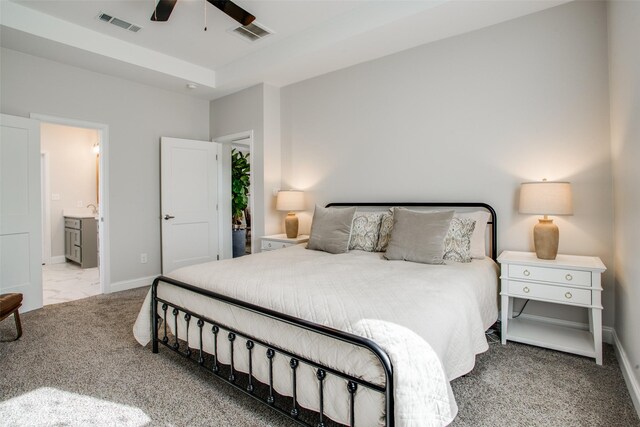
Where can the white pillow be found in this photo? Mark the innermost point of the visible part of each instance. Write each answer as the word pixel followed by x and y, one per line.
pixel 478 238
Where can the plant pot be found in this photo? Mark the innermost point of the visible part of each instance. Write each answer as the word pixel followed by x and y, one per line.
pixel 239 242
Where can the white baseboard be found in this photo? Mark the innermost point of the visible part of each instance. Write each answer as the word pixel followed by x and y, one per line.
pixel 627 372
pixel 607 331
pixel 607 334
pixel 58 259
pixel 131 284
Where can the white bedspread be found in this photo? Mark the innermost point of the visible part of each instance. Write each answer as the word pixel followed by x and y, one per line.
pixel 429 319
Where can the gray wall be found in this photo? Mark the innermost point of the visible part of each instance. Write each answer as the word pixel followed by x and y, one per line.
pixel 624 54
pixel 470 118
pixel 137 116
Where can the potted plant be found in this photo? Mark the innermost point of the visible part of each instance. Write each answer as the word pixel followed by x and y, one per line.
pixel 240 170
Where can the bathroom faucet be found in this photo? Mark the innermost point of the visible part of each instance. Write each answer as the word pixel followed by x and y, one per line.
pixel 95 209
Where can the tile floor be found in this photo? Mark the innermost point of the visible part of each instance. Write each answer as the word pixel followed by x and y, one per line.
pixel 68 282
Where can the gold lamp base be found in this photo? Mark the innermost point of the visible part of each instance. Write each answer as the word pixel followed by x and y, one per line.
pixel 545 239
pixel 291 225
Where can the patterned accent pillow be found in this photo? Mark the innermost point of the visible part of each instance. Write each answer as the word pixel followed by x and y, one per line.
pixel 365 231
pixel 386 226
pixel 478 242
pixel 457 243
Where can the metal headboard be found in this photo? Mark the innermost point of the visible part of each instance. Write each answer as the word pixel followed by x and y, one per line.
pixel 493 220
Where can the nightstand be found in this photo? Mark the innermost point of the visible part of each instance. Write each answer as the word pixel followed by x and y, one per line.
pixel 279 241
pixel 569 280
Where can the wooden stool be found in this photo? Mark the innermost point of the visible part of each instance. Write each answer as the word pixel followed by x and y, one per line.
pixel 9 304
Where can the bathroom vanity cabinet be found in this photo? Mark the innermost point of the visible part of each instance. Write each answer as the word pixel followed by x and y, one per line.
pixel 81 241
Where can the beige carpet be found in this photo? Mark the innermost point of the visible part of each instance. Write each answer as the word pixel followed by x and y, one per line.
pixel 78 364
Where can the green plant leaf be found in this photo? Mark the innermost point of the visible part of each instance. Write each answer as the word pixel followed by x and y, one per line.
pixel 240 181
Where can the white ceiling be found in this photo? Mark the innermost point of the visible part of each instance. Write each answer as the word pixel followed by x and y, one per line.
pixel 311 37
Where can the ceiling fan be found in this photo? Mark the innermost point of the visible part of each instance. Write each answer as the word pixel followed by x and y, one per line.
pixel 165 7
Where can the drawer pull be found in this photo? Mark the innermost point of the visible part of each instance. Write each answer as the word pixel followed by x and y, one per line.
pixel 568 277
pixel 269 244
pixel 525 290
pixel 526 273
pixel 568 295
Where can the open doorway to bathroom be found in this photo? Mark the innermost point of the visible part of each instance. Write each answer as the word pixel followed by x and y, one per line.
pixel 72 207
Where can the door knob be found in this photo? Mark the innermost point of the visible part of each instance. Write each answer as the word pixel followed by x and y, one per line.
pixel 167 216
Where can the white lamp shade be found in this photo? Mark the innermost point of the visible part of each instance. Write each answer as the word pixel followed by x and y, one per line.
pixel 546 198
pixel 290 200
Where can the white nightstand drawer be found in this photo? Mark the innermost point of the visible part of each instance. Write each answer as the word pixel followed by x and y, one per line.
pixel 550 293
pixel 268 245
pixel 279 241
pixel 553 275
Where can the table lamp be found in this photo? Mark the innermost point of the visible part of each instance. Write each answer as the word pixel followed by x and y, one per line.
pixel 546 198
pixel 290 201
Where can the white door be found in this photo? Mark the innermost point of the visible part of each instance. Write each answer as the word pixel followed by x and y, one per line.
pixel 20 215
pixel 189 192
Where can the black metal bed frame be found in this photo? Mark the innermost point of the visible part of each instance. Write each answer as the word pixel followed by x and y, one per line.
pixel 352 383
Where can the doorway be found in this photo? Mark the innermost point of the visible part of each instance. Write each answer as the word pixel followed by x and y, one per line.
pixel 73 174
pixel 241 205
pixel 238 142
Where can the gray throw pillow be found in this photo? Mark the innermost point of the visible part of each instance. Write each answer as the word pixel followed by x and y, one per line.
pixel 418 236
pixel 331 229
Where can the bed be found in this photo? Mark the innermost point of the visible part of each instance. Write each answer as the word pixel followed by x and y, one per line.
pixel 353 338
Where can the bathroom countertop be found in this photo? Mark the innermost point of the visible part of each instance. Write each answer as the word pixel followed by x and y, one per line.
pixel 79 213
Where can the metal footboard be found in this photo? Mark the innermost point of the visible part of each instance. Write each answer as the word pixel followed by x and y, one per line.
pixel 241 341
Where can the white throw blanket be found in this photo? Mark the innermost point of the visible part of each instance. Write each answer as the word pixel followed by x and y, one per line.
pixel 423 396
pixel 429 319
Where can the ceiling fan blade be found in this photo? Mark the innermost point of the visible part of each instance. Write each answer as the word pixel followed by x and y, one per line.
pixel 234 11
pixel 163 10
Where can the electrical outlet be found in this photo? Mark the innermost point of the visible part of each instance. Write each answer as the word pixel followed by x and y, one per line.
pixel 55 197
pixel 79 204
pixel 143 258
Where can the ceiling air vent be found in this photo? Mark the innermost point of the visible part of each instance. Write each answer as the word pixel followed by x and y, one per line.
pixel 252 32
pixel 119 22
